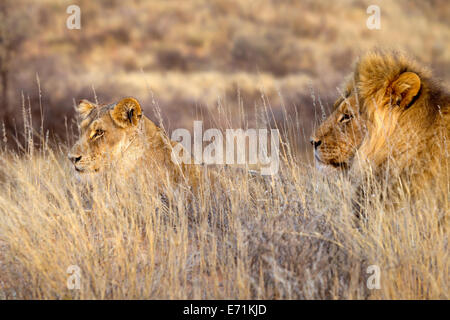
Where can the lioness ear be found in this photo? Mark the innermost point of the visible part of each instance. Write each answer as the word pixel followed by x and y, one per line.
pixel 84 107
pixel 127 112
pixel 405 88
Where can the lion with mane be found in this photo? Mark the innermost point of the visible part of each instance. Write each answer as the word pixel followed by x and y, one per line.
pixel 394 119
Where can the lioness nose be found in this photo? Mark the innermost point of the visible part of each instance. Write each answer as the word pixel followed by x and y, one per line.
pixel 74 158
pixel 315 142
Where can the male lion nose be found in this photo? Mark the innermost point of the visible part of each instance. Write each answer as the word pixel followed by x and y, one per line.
pixel 315 142
pixel 74 158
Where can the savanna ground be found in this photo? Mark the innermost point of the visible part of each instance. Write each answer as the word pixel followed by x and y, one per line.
pixel 232 64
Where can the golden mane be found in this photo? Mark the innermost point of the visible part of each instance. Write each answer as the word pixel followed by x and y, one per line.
pixel 407 115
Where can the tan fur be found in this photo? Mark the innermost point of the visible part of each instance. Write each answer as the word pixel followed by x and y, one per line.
pixel 339 136
pixel 119 137
pixel 408 120
pixel 407 116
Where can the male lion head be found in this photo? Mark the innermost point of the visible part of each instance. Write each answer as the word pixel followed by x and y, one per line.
pixel 107 133
pixel 404 122
pixel 336 140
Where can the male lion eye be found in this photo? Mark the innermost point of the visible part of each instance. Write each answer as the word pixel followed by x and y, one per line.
pixel 346 117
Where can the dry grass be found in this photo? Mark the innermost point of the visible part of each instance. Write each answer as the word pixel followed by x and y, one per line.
pixel 290 236
pixel 193 53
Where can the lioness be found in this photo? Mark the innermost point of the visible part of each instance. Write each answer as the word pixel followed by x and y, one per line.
pixel 118 136
pixel 393 118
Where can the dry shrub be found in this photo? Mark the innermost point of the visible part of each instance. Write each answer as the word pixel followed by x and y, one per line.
pixel 271 52
pixel 170 59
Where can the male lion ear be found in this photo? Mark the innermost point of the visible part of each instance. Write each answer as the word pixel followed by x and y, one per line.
pixel 127 112
pixel 84 107
pixel 405 88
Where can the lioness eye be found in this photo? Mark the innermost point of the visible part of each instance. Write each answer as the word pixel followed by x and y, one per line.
pixel 346 117
pixel 97 134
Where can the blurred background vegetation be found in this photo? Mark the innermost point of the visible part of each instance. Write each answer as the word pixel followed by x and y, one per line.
pixel 190 58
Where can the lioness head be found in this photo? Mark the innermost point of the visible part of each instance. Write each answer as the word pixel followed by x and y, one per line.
pixel 336 140
pixel 106 133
